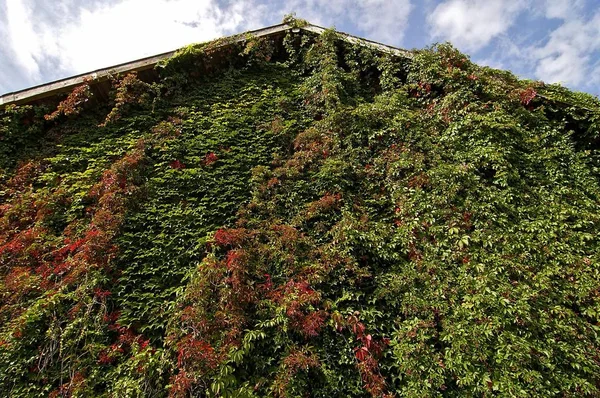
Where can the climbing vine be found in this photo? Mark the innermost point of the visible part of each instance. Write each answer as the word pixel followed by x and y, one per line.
pixel 302 216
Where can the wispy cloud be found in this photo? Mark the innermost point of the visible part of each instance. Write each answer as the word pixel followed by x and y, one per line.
pixel 383 20
pixel 472 24
pixel 48 40
pixel 75 37
pixel 567 55
pixel 552 40
pixel 21 37
pixel 561 9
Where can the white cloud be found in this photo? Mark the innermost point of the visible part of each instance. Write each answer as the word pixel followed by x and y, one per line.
pixel 22 37
pixel 472 24
pixel 563 67
pixel 87 36
pixel 48 40
pixel 42 40
pixel 383 20
pixel 136 28
pixel 562 9
pixel 566 56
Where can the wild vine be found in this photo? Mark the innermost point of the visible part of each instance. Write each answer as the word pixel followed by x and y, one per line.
pixel 302 217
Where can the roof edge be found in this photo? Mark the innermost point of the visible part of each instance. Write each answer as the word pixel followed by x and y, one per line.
pixel 62 85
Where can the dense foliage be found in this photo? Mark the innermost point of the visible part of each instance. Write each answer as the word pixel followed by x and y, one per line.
pixel 306 218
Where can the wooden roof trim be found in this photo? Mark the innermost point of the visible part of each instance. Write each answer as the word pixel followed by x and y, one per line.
pixel 63 85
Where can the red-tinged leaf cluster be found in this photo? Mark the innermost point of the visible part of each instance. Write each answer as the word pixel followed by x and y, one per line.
pixel 111 317
pixel 310 146
pixel 324 205
pixel 69 388
pixel 233 286
pixel 181 385
pixel 210 158
pixel 24 176
pixel 273 182
pixel 196 354
pixel 287 235
pixel 237 278
pixel 73 104
pixel 422 89
pixel 105 358
pixel 95 248
pixel 129 91
pixel 418 181
pixel 101 294
pixel 230 237
pixel 296 298
pixel 310 325
pixel 177 165
pixel 366 354
pixel 24 244
pixel 373 381
pixel 37 261
pixel 126 343
pixel 20 279
pixel 195 358
pixel 527 95
pixel 298 360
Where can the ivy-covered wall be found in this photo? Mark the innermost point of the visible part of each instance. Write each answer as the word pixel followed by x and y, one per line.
pixel 302 218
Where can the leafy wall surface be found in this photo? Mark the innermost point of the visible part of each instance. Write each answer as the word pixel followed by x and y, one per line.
pixel 304 217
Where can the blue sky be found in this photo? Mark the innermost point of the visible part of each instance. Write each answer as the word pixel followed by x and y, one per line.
pixel 549 40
